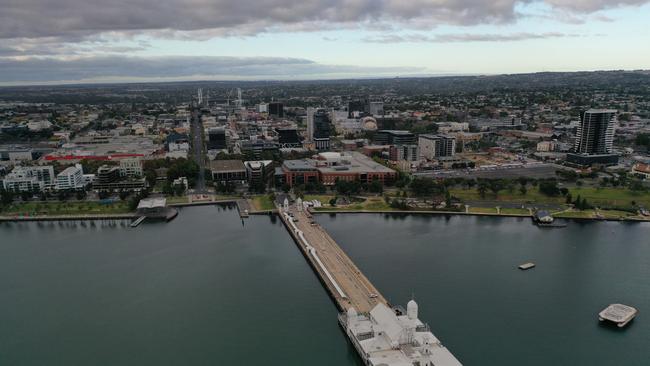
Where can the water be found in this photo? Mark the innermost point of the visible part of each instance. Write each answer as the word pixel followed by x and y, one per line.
pixel 201 290
pixel 206 289
pixel 462 271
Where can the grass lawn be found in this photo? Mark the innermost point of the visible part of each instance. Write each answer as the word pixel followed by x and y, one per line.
pixel 262 203
pixel 602 197
pixel 177 199
pixel 612 197
pixel 485 210
pixel 515 211
pixel 609 214
pixel 532 195
pixel 65 208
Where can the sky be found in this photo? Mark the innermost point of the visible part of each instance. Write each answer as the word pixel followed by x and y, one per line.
pixel 81 41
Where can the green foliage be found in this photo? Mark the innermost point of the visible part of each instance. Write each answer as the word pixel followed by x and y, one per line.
pixel 421 187
pixel 347 188
pixel 549 188
pixel 643 139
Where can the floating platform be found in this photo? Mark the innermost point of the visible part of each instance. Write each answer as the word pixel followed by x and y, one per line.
pixel 527 265
pixel 618 313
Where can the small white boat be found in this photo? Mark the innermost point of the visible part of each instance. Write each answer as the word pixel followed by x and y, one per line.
pixel 526 266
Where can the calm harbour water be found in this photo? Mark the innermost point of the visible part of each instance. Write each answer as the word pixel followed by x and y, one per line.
pixel 207 289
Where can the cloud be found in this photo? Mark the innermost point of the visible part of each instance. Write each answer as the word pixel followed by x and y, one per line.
pixel 78 18
pixel 464 37
pixel 121 68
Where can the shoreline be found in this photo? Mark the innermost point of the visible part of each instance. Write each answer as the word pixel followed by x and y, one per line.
pixel 424 212
pixel 90 217
pixel 323 211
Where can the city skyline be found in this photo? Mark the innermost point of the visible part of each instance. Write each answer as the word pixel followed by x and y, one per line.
pixel 214 40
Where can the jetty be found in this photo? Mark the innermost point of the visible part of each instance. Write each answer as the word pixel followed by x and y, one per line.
pixel 138 221
pixel 243 207
pixel 381 333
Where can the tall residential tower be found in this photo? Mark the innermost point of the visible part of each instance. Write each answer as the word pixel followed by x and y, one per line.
pixel 596 132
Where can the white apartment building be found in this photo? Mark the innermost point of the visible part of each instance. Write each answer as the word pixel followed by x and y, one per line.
pixel 131 168
pixel 72 178
pixel 29 178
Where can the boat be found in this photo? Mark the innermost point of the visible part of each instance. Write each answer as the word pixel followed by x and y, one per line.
pixel 527 265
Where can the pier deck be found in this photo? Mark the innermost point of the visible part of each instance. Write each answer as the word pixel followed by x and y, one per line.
pixel 344 281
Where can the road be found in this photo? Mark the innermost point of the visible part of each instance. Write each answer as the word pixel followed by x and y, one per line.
pixel 198 150
pixel 359 291
pixel 531 170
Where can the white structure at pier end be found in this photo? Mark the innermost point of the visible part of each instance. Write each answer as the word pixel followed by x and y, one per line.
pixel 384 338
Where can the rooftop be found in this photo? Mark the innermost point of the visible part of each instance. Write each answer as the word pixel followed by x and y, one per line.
pixel 299 165
pixel 227 165
pixel 149 203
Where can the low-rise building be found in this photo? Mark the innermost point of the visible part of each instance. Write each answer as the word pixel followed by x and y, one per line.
pixel 642 170
pixel 351 166
pixel 297 172
pixel 224 171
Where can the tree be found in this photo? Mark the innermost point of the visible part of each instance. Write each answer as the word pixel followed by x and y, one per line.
pixel 482 189
pixel 523 190
pixel 81 195
pixel 495 186
pixel 376 187
pixel 6 197
pixel 549 188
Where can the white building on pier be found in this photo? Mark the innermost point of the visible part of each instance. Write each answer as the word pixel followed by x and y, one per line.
pixel 384 338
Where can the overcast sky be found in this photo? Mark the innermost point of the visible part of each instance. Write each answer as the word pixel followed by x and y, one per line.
pixel 63 41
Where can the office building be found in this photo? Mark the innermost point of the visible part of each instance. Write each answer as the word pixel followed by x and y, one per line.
pixel 395 137
pixel 322 129
pixel 217 139
pixel 276 109
pixel 404 152
pixel 288 137
pixel 310 123
pixel 356 108
pixel 259 172
pixel 376 108
pixel 436 146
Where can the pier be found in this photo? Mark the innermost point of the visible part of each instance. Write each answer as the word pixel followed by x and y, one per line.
pixel 344 281
pixel 383 335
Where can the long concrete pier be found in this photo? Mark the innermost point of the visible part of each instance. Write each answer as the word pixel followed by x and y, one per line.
pixel 344 281
pixel 383 335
